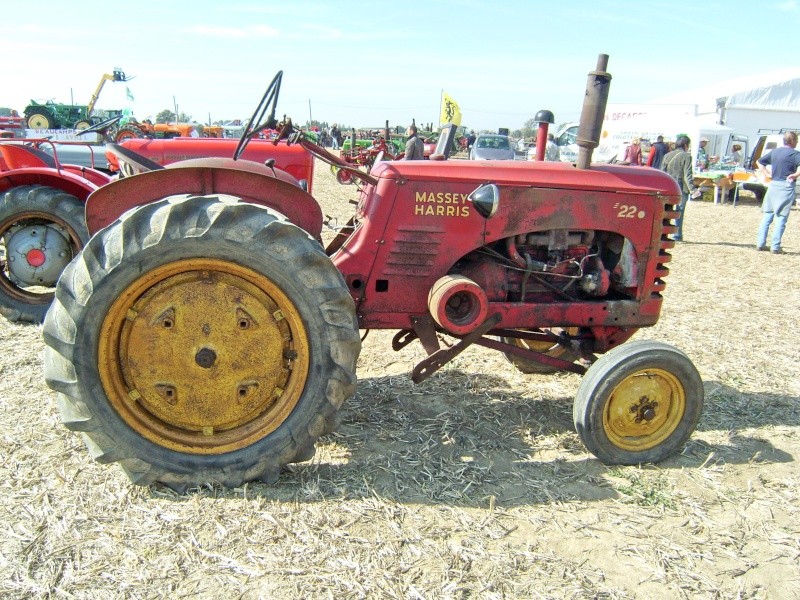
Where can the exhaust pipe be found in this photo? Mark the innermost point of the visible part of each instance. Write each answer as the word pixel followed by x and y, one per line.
pixel 594 109
pixel 544 118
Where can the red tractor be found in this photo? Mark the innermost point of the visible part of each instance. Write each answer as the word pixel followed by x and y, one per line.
pixel 362 156
pixel 42 220
pixel 204 333
pixel 292 159
pixel 42 225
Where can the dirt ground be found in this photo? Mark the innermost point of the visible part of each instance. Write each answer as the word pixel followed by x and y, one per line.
pixel 470 485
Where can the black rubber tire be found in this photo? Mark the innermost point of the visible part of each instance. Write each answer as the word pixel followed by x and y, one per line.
pixel 36 204
pixel 180 228
pixel 531 367
pixel 127 133
pixel 608 372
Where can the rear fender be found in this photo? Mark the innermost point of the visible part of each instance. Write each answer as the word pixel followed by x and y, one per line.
pixel 61 180
pixel 249 181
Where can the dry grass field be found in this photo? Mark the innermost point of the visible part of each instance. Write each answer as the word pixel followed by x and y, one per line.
pixel 471 485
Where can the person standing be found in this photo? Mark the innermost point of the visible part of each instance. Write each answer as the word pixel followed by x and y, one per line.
pixel 657 152
pixel 702 155
pixel 678 165
pixel 633 155
pixel 736 155
pixel 415 149
pixel 551 151
pixel 778 202
pixel 334 137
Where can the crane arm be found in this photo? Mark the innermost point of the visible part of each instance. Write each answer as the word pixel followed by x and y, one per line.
pixel 118 75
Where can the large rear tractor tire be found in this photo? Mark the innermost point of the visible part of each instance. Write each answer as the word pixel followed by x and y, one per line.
pixel 127 133
pixel 41 230
pixel 638 403
pixel 553 349
pixel 201 339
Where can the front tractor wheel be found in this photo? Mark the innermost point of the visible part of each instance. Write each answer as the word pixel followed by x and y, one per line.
pixel 638 403
pixel 41 230
pixel 201 339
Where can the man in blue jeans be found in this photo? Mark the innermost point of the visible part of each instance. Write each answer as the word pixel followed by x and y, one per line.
pixel 678 164
pixel 778 202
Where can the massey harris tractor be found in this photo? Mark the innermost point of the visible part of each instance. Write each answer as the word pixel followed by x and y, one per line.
pixel 204 334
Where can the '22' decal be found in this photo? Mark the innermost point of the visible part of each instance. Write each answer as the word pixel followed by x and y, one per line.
pixel 629 211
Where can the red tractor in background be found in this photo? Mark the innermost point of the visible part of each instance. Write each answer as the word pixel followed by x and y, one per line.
pixel 204 334
pixel 364 157
pixel 293 159
pixel 42 224
pixel 42 216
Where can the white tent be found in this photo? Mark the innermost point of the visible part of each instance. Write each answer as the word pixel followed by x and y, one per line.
pixel 777 90
pixel 751 106
pixel 783 95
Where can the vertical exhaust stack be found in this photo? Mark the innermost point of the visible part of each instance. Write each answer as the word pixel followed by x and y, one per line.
pixel 594 109
pixel 544 118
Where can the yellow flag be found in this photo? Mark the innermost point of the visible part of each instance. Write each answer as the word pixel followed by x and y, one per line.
pixel 450 111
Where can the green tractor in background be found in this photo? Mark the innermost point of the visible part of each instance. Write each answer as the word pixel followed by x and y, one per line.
pixel 54 115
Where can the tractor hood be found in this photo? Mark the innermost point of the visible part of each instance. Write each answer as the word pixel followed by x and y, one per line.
pixel 610 178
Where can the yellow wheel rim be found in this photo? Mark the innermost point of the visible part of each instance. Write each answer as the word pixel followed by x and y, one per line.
pixel 553 349
pixel 39 122
pixel 203 356
pixel 644 410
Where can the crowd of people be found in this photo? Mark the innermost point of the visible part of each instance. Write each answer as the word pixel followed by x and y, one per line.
pixel 782 165
pixel 632 153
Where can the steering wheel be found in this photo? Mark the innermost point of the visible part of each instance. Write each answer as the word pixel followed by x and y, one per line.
pixel 107 124
pixel 257 122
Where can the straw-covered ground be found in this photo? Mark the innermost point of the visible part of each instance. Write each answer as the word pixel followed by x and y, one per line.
pixel 471 485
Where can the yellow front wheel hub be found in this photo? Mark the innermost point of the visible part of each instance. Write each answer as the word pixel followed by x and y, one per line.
pixel 644 409
pixel 203 356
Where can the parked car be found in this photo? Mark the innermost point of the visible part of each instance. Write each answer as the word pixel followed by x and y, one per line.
pixel 492 147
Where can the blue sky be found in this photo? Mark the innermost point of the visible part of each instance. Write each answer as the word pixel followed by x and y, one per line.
pixel 360 63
